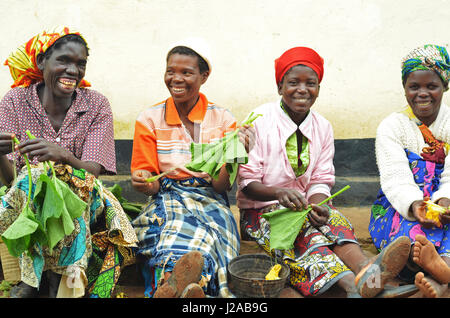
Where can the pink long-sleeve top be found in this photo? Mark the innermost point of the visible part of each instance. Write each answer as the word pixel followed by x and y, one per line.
pixel 268 161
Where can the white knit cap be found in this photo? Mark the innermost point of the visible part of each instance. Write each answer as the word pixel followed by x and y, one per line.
pixel 200 47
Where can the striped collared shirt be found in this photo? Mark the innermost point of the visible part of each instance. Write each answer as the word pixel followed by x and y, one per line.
pixel 161 141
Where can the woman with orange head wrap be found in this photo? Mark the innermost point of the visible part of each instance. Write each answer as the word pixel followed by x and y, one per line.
pixel 73 127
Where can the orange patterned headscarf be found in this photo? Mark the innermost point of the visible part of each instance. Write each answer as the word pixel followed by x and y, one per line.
pixel 22 62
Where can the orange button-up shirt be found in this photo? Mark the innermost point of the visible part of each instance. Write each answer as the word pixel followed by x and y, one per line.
pixel 161 141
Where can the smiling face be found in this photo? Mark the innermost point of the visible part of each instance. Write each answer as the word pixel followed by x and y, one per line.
pixel 64 68
pixel 299 90
pixel 424 91
pixel 183 79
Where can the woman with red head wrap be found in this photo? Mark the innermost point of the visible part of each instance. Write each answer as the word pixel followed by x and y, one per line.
pixel 298 56
pixel 291 165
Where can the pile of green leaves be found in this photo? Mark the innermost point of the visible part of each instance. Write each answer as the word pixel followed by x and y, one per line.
pixel 228 150
pixel 3 190
pixel 131 209
pixel 285 224
pixel 55 205
pixel 5 288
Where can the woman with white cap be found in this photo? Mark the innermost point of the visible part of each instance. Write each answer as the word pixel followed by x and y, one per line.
pixel 187 233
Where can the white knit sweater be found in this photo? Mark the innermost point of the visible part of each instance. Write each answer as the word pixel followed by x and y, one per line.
pixel 396 133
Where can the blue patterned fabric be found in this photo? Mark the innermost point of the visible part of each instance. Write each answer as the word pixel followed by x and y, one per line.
pixel 386 224
pixel 183 216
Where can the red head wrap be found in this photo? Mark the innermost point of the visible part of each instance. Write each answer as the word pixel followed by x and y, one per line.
pixel 295 56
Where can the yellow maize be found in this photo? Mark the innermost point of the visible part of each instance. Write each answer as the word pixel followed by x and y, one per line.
pixel 274 271
pixel 433 211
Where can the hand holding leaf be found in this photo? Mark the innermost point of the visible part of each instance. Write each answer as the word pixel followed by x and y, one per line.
pixel 229 150
pixel 285 224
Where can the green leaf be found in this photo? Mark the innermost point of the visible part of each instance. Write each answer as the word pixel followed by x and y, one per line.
pixel 132 207
pixel 210 158
pixel 57 206
pixel 128 207
pixel 3 190
pixel 228 150
pixel 285 224
pixel 116 190
pixel 23 233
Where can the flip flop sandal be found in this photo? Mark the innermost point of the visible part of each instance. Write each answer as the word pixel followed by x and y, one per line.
pixel 387 265
pixel 193 291
pixel 187 270
pixel 398 292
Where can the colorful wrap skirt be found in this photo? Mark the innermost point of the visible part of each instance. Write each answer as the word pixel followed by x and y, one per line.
pixel 386 224
pixel 313 264
pixel 187 215
pixel 97 249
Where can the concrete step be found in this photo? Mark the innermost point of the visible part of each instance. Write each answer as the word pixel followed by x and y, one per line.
pixel 363 190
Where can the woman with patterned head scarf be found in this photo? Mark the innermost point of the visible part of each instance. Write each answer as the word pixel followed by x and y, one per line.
pixel 412 149
pixel 291 165
pixel 73 128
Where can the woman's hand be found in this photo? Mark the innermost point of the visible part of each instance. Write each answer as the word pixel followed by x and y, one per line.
pixel 138 182
pixel 6 168
pixel 247 137
pixel 6 143
pixel 291 199
pixel 270 208
pixel 44 150
pixel 419 211
pixel 318 216
pixel 222 184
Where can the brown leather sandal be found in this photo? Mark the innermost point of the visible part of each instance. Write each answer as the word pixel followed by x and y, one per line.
pixel 387 265
pixel 193 291
pixel 187 270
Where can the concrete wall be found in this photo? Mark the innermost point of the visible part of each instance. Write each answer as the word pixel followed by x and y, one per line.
pixel 362 43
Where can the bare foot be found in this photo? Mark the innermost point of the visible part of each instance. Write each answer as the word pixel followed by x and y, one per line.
pixel 429 287
pixel 426 256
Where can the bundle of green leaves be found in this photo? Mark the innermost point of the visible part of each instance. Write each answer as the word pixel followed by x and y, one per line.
pixel 130 208
pixel 55 207
pixel 228 150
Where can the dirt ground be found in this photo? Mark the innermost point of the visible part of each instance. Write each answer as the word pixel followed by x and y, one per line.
pixel 358 216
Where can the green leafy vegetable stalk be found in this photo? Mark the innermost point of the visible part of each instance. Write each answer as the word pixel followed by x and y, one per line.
pixel 129 208
pixel 56 207
pixel 285 224
pixel 210 158
pixel 154 178
pixel 229 150
pixel 26 230
pixel 3 190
